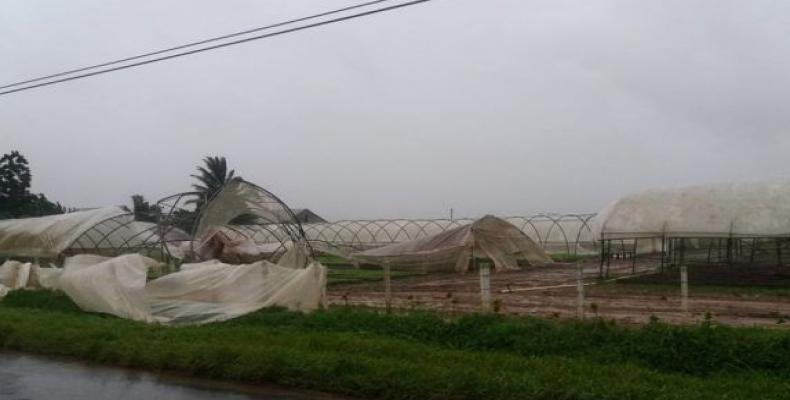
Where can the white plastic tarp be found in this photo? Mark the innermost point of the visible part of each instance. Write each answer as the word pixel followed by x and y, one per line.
pixel 489 237
pixel 199 293
pixel 737 210
pixel 18 275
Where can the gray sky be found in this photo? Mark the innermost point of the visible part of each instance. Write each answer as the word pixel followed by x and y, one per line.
pixel 502 106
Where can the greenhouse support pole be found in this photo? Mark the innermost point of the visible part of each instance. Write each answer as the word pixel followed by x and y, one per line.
pixel 387 287
pixel 603 258
pixel 670 253
pixel 485 286
pixel 718 251
pixel 580 290
pixel 778 252
pixel 608 257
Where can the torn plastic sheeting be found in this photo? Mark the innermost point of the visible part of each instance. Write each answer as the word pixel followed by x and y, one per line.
pixel 202 292
pixel 109 285
pixel 214 291
pixel 14 274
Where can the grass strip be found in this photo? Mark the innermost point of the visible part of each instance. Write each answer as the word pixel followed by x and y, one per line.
pixel 420 356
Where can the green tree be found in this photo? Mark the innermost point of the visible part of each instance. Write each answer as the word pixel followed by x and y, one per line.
pixel 211 178
pixel 143 211
pixel 16 201
pixel 15 177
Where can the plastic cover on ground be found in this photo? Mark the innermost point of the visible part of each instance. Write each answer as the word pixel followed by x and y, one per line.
pixel 19 275
pixel 737 210
pixel 199 293
pixel 489 236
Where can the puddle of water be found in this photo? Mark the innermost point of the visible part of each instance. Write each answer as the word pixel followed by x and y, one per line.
pixel 28 377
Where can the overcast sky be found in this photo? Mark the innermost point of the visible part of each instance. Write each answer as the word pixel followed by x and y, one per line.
pixel 501 106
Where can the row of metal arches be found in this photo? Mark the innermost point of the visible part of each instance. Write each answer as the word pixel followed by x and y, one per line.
pixel 566 233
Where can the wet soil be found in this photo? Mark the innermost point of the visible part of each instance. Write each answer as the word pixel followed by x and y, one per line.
pixel 550 291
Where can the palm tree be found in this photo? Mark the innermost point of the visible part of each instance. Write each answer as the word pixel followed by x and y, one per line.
pixel 211 178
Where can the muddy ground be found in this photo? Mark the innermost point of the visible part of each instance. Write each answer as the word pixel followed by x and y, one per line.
pixel 734 295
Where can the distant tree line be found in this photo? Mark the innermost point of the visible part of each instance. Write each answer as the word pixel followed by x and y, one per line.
pixel 16 200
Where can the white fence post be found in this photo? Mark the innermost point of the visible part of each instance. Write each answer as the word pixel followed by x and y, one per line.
pixel 485 286
pixel 580 290
pixel 387 287
pixel 684 289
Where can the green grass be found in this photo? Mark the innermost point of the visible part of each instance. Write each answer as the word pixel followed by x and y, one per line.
pixel 349 275
pixel 329 259
pixel 421 355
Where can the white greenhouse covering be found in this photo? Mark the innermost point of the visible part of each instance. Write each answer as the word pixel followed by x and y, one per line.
pixel 48 237
pixel 453 249
pixel 199 293
pixel 724 210
pixel 217 236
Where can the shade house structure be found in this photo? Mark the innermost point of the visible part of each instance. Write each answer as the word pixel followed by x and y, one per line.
pixel 712 223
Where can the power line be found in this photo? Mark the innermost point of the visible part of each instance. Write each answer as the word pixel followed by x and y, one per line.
pixel 217 46
pixel 214 39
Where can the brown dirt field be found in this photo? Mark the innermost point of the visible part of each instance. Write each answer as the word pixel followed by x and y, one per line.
pixel 654 295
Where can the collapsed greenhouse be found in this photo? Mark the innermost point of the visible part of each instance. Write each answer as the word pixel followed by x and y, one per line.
pixel 203 289
pixel 455 249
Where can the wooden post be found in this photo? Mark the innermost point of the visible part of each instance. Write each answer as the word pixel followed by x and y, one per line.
pixel 485 286
pixel 580 290
pixel 387 288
